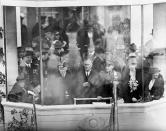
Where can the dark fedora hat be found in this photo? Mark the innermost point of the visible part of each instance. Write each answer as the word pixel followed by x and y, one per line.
pixel 154 70
pixel 28 53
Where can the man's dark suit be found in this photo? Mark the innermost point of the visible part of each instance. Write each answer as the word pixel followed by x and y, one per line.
pixel 89 91
pixel 27 71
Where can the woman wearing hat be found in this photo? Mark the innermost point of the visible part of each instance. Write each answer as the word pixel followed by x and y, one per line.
pixel 57 48
pixel 156 84
pixel 131 81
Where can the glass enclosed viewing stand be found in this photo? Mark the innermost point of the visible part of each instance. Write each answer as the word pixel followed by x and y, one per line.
pixel 71 60
pixel 66 54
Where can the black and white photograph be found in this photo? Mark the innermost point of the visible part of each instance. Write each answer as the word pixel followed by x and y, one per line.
pixel 82 65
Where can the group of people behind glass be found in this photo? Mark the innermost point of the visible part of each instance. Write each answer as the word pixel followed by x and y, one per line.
pixel 93 78
pixel 141 84
pixel 28 79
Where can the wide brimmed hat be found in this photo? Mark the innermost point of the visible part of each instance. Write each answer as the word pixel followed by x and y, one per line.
pixel 154 70
pixel 28 51
pixel 58 44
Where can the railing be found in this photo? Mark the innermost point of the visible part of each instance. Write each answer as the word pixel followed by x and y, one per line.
pixel 97 99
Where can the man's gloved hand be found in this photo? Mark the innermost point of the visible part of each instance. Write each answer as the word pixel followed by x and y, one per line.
pixel 99 98
pixel 86 84
pixel 120 101
pixel 134 99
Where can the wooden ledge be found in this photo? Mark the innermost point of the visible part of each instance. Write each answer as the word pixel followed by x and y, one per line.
pixel 124 106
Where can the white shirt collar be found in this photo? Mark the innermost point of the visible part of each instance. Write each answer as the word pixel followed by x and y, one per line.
pixel 151 84
pixel 88 72
pixel 28 65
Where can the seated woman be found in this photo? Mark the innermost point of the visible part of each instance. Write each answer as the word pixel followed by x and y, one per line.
pixel 156 84
pixel 19 92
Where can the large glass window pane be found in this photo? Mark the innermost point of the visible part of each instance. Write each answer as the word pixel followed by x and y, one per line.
pixel 23 66
pixel 83 48
pixel 154 53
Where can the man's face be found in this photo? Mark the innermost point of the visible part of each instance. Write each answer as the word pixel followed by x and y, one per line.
pixel 45 56
pixel 88 65
pixel 57 36
pixel 109 67
pixel 37 54
pixel 91 53
pixel 132 62
pixel 49 35
pixel 34 44
pixel 28 59
pixel 155 75
pixel 43 20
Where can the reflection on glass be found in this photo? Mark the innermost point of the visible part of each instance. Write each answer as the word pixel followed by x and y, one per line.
pixel 24 31
pixel 2 74
pixel 86 53
pixel 77 54
pixel 27 84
